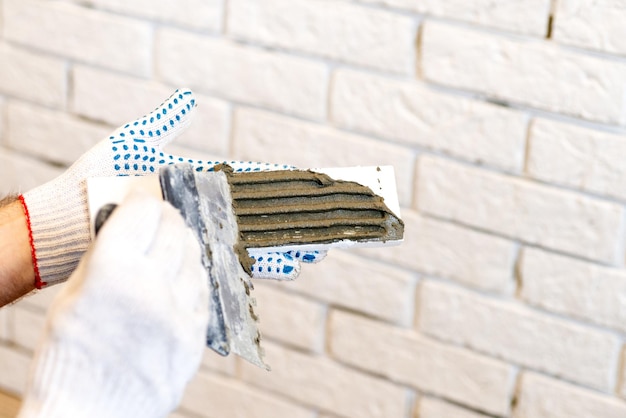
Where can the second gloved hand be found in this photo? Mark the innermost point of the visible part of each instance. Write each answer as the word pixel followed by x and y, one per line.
pixel 127 332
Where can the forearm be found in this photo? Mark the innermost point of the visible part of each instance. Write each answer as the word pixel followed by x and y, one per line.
pixel 17 277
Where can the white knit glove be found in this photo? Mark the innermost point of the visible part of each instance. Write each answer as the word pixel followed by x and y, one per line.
pixel 127 332
pixel 57 212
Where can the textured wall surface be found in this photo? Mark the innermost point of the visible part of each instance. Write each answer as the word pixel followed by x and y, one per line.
pixel 505 121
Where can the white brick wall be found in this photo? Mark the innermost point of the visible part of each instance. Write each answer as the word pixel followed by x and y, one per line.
pixel 96 38
pixel 574 288
pixel 532 213
pixel 541 396
pixel 341 31
pixel 531 73
pixel 577 157
pixel 418 115
pixel 520 335
pixel 320 383
pixel 408 358
pixel 523 16
pixel 30 76
pixel 243 74
pixel 504 120
pixel 591 24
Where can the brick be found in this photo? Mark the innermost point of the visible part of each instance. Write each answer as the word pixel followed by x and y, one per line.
pixel 2 119
pixel 41 300
pixel 28 327
pixel 210 396
pixel 540 75
pixel 20 174
pixel 52 135
pixel 15 365
pixel 409 358
pixel 243 74
pixel 322 384
pixel 111 41
pixel 264 136
pixel 574 288
pixel 541 397
pixel 5 318
pixel 196 14
pixel 446 250
pixel 417 115
pixel 118 99
pixel 178 414
pixel 520 335
pixel 216 363
pixel 520 209
pixel 591 24
pixel 529 17
pixel 32 77
pixel 577 157
pixel 335 30
pixel 363 285
pixel 436 408
pixel 290 319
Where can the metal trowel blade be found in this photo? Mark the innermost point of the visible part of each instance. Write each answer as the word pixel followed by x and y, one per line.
pixel 233 325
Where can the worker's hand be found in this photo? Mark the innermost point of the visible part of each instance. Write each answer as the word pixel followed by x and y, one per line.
pixel 127 332
pixel 58 213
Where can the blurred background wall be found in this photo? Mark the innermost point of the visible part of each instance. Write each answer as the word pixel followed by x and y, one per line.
pixel 504 121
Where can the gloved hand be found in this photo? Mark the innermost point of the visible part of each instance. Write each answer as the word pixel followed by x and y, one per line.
pixel 127 332
pixel 57 211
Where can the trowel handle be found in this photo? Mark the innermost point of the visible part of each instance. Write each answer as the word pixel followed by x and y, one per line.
pixel 102 216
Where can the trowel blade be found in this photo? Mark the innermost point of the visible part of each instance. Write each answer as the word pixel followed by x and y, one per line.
pixel 206 204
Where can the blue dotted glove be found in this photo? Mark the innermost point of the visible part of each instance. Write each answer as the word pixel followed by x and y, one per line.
pixel 59 208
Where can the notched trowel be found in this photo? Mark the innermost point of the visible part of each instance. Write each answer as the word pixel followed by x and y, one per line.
pixel 236 213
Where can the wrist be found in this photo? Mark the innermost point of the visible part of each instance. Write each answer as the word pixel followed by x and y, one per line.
pixel 17 274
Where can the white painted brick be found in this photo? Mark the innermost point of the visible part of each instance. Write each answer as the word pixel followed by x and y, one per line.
pixel 209 396
pixel 81 34
pixel 243 74
pixel 2 117
pixel 406 357
pixel 178 414
pixel 577 157
pixel 15 365
pixel 19 174
pixel 594 24
pixel 363 285
pixel 436 408
pixel 41 300
pixel 574 288
pixel 118 99
pixel 518 334
pixel 52 135
pixel 32 77
pixel 289 318
pixel 416 114
pixel 537 74
pixel 323 384
pixel 28 327
pixel 5 317
pixel 533 213
pixel 196 14
pixel 332 29
pixel 442 249
pixel 522 16
pixel 542 397
pixel 264 136
pixel 217 363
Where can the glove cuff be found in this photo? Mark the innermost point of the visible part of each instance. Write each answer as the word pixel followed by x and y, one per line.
pixel 67 383
pixel 58 224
